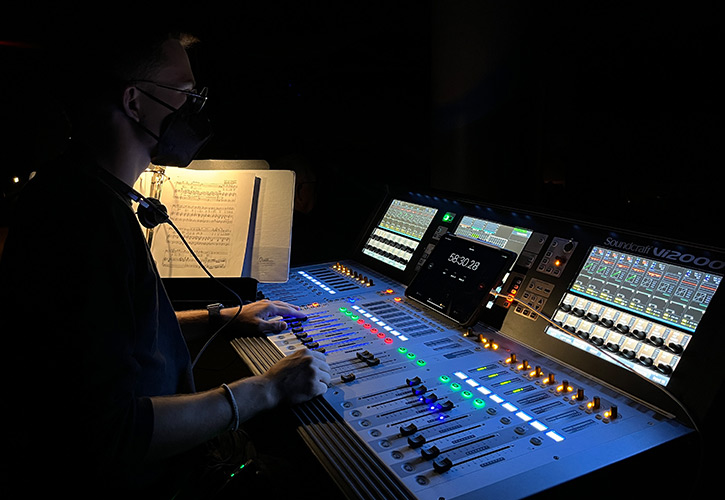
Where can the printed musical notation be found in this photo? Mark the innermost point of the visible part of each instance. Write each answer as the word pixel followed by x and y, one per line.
pixel 212 209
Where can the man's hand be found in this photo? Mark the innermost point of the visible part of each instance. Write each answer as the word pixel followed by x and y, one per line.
pixel 299 377
pixel 265 316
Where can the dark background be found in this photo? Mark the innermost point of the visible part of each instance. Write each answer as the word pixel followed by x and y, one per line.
pixel 608 112
pixel 611 112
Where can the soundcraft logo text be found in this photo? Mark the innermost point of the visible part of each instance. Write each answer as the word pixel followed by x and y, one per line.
pixel 666 254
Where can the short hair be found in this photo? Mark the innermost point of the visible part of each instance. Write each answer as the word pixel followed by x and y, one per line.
pixel 91 67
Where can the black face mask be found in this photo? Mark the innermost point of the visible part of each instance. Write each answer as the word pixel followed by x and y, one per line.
pixel 183 133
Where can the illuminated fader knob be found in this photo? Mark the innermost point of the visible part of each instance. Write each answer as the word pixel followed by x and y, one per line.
pixel 524 365
pixel 537 372
pixel 594 403
pixel 550 380
pixel 580 395
pixel 612 413
pixel 511 359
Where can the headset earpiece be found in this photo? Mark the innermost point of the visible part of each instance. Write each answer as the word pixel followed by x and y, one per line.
pixel 152 213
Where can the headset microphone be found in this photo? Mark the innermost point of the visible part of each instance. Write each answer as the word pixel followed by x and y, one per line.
pixel 150 212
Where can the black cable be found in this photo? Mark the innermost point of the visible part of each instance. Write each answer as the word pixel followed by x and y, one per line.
pixel 230 320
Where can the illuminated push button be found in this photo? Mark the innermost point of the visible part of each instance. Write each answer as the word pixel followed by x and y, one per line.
pixel 456 386
pixel 444 378
pixel 479 403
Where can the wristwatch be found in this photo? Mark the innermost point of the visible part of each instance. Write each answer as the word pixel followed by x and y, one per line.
pixel 215 312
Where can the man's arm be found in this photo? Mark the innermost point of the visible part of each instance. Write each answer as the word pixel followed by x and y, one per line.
pixel 182 422
pixel 263 316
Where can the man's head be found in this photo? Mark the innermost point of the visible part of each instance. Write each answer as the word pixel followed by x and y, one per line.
pixel 124 92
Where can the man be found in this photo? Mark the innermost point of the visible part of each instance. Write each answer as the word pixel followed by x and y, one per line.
pixel 100 393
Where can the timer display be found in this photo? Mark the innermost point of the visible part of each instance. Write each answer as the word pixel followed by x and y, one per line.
pixel 458 277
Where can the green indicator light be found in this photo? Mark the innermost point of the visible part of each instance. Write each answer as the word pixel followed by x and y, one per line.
pixel 456 386
pixel 506 382
pixel 402 349
pixel 479 403
pixel 410 355
pixel 518 390
pixel 493 375
pixel 343 309
pixel 444 378
pixel 354 317
pixel 420 362
pixel 482 368
pixel 448 216
pixel 467 394
pixel 349 313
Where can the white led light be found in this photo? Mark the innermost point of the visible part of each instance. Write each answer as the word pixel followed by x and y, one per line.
pixel 509 407
pixel 556 437
pixel 538 425
pixel 496 398
pixel 523 416
pixel 461 375
pixel 472 382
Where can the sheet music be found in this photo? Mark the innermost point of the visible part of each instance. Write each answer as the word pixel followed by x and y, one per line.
pixel 212 210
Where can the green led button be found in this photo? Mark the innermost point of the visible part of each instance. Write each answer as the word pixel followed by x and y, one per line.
pixel 467 394
pixel 402 349
pixel 420 362
pixel 410 355
pixel 444 378
pixel 456 386
pixel 343 309
pixel 479 403
pixel 354 317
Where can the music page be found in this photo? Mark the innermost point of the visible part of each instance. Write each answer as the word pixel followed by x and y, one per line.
pixel 212 209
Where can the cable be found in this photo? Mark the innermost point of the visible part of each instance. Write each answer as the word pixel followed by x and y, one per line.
pixel 610 356
pixel 226 323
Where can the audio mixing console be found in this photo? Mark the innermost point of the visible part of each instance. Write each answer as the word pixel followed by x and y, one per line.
pixel 581 357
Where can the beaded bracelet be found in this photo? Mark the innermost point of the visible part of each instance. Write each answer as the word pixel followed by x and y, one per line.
pixel 235 408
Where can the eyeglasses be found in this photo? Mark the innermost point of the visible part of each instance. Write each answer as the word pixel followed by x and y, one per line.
pixel 195 99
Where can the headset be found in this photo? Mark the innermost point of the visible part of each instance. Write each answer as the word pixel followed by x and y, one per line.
pixel 151 212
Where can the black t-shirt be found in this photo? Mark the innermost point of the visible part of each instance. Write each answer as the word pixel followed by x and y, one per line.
pixel 90 333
